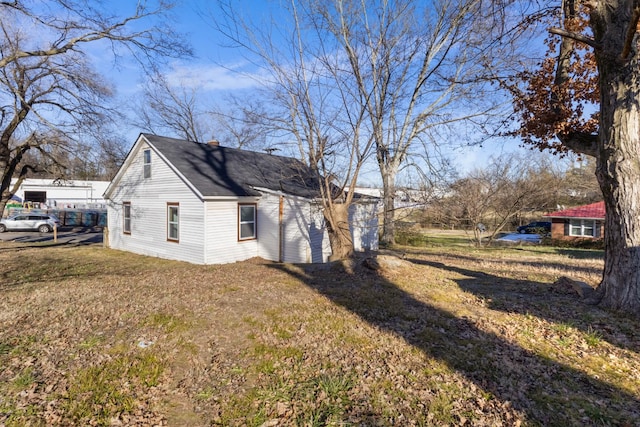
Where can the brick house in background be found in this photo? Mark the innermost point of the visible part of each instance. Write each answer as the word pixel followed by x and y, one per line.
pixel 581 222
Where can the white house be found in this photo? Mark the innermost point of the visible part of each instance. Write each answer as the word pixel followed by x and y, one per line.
pixel 208 204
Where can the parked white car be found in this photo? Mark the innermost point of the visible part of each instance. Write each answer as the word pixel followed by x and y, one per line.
pixel 44 223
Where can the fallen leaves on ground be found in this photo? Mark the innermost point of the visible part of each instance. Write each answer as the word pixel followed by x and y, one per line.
pixel 444 337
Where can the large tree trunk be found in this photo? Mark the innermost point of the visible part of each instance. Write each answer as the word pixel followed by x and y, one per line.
pixel 388 202
pixel 337 219
pixel 6 172
pixel 618 168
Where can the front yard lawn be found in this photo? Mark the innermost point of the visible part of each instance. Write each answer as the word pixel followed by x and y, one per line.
pixel 451 336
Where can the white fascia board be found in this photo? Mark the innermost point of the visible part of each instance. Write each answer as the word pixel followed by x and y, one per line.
pixel 281 193
pixel 227 198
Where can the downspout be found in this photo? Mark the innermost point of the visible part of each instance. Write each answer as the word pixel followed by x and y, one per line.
pixel 281 230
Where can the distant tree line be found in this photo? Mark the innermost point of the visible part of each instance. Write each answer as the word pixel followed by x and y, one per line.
pixel 510 190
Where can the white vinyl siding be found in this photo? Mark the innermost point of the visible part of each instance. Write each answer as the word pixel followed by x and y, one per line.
pixel 267 217
pixel 221 233
pixel 299 236
pixel 582 228
pixel 296 227
pixel 149 198
pixel 363 220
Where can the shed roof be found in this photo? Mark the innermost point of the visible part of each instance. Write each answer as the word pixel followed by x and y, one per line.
pixel 222 171
pixel 592 211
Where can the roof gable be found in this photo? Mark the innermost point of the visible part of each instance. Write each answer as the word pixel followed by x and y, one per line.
pixel 592 211
pixel 223 171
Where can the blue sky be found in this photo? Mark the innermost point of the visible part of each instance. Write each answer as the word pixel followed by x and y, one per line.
pixel 217 70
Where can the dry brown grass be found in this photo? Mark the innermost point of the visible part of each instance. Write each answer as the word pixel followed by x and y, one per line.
pixel 459 336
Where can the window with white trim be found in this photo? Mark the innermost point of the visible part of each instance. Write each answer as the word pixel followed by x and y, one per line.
pixel 126 217
pixel 173 222
pixel 246 222
pixel 582 228
pixel 146 163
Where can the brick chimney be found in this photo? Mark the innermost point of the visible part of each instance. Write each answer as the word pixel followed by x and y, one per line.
pixel 214 142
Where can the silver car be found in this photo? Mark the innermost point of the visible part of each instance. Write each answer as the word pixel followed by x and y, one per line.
pixel 44 223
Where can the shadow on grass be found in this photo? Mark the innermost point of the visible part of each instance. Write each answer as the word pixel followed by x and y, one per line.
pixel 576 253
pixel 517 262
pixel 536 299
pixel 582 253
pixel 545 390
pixel 17 247
pixel 82 237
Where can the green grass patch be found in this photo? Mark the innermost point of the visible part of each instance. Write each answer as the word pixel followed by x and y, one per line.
pixel 169 323
pixel 5 348
pixel 101 392
pixel 592 337
pixel 25 379
pixel 563 327
pixel 205 394
pixel 20 416
pixel 420 238
pixel 327 399
pixel 440 407
pixel 91 342
pixel 277 352
pixel 251 321
pixel 245 409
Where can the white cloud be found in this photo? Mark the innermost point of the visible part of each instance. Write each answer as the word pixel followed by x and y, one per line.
pixel 213 77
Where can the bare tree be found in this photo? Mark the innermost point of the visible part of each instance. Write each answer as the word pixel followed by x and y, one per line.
pixel 529 185
pixel 507 187
pixel 175 109
pixel 172 109
pixel 581 186
pixel 310 103
pixel 470 201
pixel 412 64
pixel 47 83
pixel 240 123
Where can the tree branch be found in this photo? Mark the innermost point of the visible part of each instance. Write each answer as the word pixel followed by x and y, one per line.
pixel 577 37
pixel 581 142
pixel 631 32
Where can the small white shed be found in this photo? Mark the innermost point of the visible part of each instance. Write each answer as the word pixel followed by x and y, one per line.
pixel 207 204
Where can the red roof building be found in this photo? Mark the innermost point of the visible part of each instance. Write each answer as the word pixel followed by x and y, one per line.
pixel 581 222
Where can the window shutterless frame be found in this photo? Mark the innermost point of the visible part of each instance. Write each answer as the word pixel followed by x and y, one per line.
pixel 247 224
pixel 173 222
pixel 146 163
pixel 126 217
pixel 582 228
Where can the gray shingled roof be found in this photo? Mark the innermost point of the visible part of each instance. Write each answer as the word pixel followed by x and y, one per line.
pixel 223 171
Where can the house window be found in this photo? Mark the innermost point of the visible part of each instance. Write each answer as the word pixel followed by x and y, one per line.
pixel 582 228
pixel 126 217
pixel 173 222
pixel 246 222
pixel 147 163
